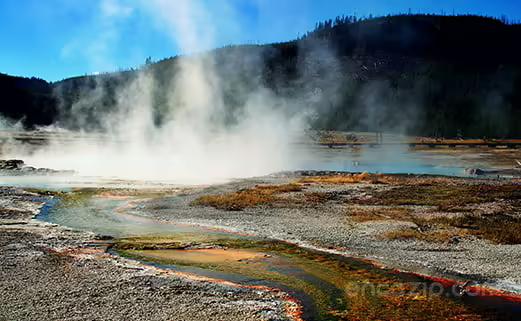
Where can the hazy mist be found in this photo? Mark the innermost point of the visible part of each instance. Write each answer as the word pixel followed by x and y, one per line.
pixel 193 143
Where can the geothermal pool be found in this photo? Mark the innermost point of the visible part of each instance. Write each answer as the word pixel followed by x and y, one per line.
pixel 446 162
pixel 381 160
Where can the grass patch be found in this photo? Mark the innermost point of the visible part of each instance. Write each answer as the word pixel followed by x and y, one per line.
pixel 149 243
pixel 76 198
pixel 180 240
pixel 251 197
pixel 345 179
pixel 498 228
pixel 444 197
pixel 436 236
pixel 361 215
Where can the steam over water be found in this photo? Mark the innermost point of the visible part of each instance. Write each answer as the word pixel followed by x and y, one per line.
pixel 194 143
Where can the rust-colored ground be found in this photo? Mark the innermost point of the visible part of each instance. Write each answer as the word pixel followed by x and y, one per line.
pixel 204 256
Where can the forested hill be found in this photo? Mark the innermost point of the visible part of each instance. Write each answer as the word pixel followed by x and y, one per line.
pixel 419 74
pixel 28 99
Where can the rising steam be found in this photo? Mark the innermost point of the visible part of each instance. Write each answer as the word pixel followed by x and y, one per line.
pixel 193 144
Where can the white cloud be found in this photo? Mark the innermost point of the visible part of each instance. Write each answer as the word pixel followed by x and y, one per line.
pixel 115 9
pixel 96 41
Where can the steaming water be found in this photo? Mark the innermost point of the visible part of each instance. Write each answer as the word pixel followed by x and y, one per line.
pixel 304 157
pixel 381 160
pixel 322 159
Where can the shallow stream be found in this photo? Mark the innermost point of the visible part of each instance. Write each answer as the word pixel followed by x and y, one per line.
pixel 330 287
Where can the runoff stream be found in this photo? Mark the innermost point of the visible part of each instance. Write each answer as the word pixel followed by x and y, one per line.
pixel 328 286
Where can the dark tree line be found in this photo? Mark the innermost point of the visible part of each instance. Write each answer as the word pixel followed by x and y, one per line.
pixel 450 74
pixel 419 74
pixel 29 100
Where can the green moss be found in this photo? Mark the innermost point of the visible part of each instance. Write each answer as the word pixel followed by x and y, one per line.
pixel 76 198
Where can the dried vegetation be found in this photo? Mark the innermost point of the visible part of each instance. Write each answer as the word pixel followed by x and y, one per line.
pixel 345 179
pixel 497 228
pixel 367 214
pixel 270 194
pixel 445 197
pixel 442 209
pixel 258 195
pixel 457 205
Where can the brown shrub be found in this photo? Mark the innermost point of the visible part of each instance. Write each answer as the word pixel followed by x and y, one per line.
pixel 237 201
pixel 506 232
pixel 445 197
pixel 437 236
pixel 500 229
pixel 315 198
pixel 277 189
pixel 378 214
pixel 344 179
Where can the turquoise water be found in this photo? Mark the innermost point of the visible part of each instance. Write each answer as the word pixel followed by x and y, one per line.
pixel 382 160
pixel 108 217
pixel 304 157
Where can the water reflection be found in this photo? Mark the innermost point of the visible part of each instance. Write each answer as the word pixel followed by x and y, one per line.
pixel 380 160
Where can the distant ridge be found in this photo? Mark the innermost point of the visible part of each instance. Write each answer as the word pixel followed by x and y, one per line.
pixel 419 74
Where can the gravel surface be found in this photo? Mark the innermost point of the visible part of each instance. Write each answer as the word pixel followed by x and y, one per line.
pixel 329 228
pixel 51 273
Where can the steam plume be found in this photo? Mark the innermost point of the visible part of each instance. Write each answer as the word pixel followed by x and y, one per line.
pixel 194 144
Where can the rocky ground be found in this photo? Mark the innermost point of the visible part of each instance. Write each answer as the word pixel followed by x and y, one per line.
pixel 51 273
pixel 327 216
pixel 17 167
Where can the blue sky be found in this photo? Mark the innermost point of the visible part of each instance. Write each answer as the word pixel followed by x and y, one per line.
pixel 56 39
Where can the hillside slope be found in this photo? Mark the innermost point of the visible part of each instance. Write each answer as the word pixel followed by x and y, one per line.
pixel 417 74
pixel 30 100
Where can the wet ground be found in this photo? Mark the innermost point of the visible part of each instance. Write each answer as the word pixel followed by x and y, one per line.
pixel 323 265
pixel 404 160
pixel 48 272
pixel 330 286
pixel 496 162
